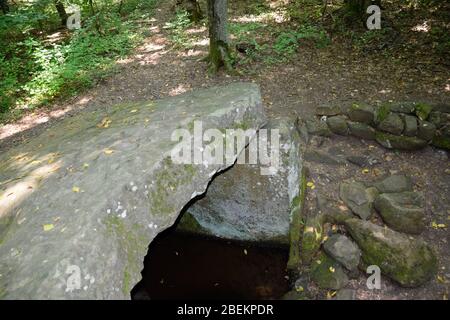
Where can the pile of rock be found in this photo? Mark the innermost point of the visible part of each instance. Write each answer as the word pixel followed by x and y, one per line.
pixel 407 260
pixel 406 126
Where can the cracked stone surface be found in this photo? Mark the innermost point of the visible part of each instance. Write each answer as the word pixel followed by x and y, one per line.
pixel 80 203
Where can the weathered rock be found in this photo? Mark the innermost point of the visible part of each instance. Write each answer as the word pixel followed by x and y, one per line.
pixel 392 124
pixel 317 127
pixel 243 204
pixel 391 141
pixel 441 141
pixel 343 250
pixel 409 262
pixel 360 112
pixel 328 273
pixel 90 194
pixel 328 111
pixel 426 130
pixel 361 130
pixel 338 125
pixel 442 107
pixel 362 161
pixel 423 110
pixel 295 295
pixel 323 157
pixel 358 198
pixel 410 125
pixel 402 107
pixel 402 212
pixel 346 294
pixel 438 119
pixel 394 183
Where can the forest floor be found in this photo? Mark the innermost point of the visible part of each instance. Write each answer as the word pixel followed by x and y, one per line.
pixel 336 74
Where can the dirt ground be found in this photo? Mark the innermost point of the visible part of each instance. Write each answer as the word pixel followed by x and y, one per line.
pixel 334 75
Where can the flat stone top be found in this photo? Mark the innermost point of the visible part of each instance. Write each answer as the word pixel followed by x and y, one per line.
pixel 80 203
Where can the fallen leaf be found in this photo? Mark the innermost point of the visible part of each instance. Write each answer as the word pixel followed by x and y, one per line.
pixel 104 123
pixel 76 189
pixel 245 251
pixel 365 171
pixel 332 270
pixel 48 227
pixel 134 111
pixel 108 151
pixel 331 294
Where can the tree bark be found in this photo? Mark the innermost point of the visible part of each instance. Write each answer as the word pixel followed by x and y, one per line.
pixel 4 6
pixel 219 52
pixel 61 12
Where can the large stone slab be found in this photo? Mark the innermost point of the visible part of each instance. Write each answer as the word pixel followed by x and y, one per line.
pixel 243 204
pixel 80 203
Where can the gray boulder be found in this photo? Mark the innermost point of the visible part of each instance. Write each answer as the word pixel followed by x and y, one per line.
pixel 338 125
pixel 358 198
pixel 343 250
pixel 402 212
pixel 243 204
pixel 395 183
pixel 317 127
pixel 361 112
pixel 427 130
pixel 409 262
pixel 410 125
pixel 361 130
pixel 392 124
pixel 88 195
pixel 328 273
pixel 391 141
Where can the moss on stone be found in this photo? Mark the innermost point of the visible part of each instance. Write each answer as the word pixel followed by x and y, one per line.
pixel 189 224
pixel 382 112
pixel 311 238
pixel 423 110
pixel 327 273
pixel 295 229
pixel 408 262
pixel 133 243
pixel 441 142
pixel 391 141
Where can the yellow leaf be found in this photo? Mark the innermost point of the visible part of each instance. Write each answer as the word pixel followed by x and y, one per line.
pixel 332 270
pixel 365 171
pixel 76 189
pixel 134 111
pixel 104 123
pixel 86 165
pixel 440 279
pixel 48 227
pixel 108 151
pixel 331 294
pixel 310 184
pixel 299 289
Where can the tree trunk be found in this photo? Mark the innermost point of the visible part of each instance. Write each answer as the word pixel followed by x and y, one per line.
pixel 219 52
pixel 61 12
pixel 4 6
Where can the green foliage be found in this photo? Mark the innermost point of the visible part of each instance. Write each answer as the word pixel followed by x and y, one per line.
pixel 287 42
pixel 34 69
pixel 177 27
